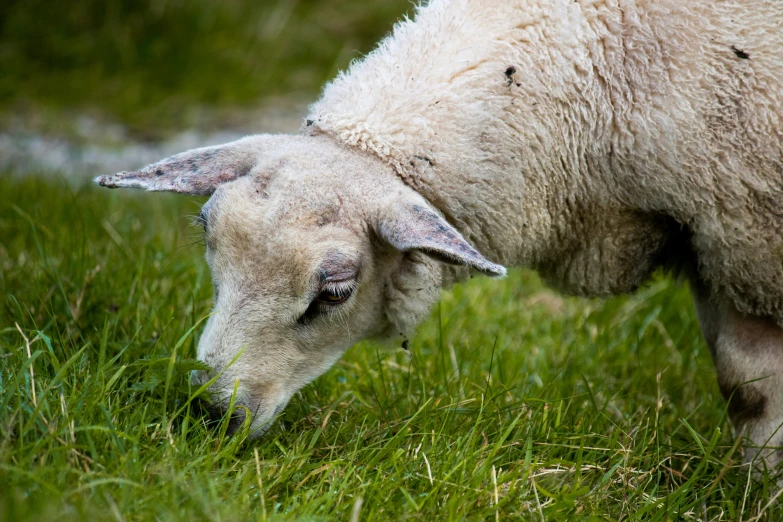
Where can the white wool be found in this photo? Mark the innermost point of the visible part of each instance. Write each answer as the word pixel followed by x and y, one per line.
pixel 587 139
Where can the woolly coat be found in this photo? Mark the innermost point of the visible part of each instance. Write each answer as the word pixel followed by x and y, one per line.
pixel 591 140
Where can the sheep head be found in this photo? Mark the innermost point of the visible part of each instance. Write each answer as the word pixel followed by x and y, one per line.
pixel 312 247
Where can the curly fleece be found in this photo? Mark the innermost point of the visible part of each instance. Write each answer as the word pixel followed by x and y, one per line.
pixel 587 139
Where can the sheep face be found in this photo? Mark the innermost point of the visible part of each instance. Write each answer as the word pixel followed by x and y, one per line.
pixel 296 283
pixel 312 247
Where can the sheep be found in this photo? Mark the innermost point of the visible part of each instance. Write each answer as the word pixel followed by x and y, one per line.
pixel 594 141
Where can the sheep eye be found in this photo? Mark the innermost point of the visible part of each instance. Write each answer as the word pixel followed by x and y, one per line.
pixel 201 220
pixel 330 296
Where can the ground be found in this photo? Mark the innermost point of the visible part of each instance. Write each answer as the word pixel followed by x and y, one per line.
pixel 513 402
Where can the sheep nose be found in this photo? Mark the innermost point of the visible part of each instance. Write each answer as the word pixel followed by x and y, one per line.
pixel 217 413
pixel 199 378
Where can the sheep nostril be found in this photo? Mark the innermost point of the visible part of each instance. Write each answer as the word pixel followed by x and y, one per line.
pixel 214 411
pixel 199 378
pixel 236 421
pixel 217 413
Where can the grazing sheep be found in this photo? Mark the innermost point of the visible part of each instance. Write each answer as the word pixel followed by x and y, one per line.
pixel 592 140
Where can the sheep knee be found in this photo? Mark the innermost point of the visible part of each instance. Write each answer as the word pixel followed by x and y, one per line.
pixel 748 355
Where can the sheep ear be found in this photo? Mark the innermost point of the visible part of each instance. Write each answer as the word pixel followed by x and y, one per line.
pixel 417 226
pixel 197 172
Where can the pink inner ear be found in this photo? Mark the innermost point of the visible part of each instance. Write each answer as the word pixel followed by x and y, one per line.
pixel 195 172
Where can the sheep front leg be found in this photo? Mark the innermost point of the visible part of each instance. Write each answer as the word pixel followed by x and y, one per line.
pixel 748 355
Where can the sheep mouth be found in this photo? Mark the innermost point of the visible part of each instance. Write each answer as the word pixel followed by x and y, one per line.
pixel 214 414
pixel 236 420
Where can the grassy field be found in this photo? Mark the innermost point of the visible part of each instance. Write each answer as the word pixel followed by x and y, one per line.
pixel 513 402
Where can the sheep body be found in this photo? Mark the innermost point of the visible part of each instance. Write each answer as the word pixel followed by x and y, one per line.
pixel 593 141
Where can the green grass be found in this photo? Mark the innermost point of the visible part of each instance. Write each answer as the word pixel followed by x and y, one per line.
pixel 513 403
pixel 153 64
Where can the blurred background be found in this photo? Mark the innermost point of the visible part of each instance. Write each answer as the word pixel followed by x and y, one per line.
pixel 99 85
